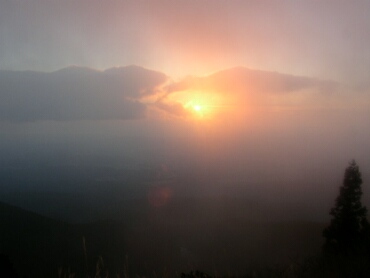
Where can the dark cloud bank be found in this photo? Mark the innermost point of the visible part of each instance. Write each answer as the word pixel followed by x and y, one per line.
pixel 76 93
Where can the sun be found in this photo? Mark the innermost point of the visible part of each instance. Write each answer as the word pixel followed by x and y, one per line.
pixel 199 104
pixel 201 110
pixel 197 107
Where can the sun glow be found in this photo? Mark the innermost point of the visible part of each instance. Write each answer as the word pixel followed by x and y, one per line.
pixel 197 107
pixel 199 104
pixel 202 105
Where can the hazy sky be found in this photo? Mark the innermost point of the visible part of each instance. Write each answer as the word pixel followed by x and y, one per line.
pixel 239 92
pixel 324 39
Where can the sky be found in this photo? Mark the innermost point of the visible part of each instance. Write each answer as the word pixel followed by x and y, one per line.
pixel 216 96
pixel 324 39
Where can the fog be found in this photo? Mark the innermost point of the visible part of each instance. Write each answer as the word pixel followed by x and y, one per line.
pixel 282 141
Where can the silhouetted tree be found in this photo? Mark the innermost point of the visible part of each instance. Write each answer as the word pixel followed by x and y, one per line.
pixel 349 228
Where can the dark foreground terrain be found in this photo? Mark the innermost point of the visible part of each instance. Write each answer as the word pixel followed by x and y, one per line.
pixel 210 235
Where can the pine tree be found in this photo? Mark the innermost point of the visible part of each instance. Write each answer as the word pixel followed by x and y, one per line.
pixel 347 232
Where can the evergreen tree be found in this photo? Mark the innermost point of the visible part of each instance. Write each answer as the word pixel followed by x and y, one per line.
pixel 348 229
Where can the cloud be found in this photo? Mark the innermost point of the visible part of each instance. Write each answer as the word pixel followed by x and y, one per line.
pixel 173 108
pixel 258 86
pixel 76 93
pixel 240 79
pixel 79 93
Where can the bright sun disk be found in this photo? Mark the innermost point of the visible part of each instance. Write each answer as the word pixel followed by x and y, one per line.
pixel 201 105
pixel 197 107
